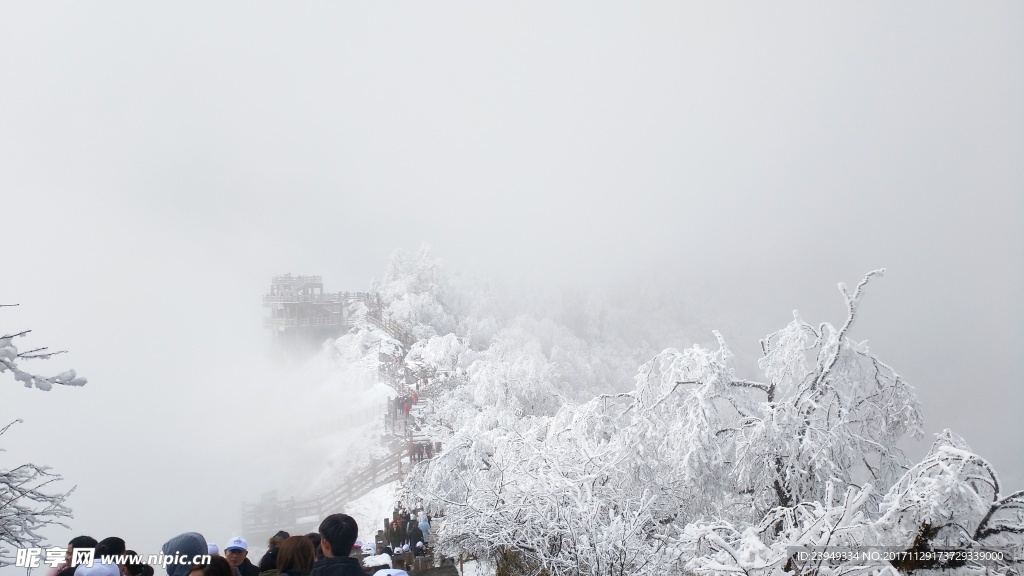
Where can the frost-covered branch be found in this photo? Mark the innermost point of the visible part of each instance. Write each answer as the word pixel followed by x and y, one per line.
pixel 26 507
pixel 9 357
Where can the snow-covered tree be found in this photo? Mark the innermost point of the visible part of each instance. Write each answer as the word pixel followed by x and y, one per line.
pixel 698 470
pixel 413 294
pixel 25 504
pixel 951 500
pixel 437 356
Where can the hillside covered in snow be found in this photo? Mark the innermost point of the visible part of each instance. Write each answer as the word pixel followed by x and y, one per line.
pixel 572 446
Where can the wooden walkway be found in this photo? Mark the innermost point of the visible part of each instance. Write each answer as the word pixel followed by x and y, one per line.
pixel 261 520
pixel 297 516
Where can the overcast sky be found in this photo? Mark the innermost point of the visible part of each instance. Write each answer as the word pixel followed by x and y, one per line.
pixel 160 162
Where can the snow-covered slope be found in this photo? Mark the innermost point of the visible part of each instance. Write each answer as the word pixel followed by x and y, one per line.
pixel 371 510
pixel 327 416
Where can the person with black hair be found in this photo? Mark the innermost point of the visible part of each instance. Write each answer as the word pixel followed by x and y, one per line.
pixel 268 563
pixel 131 569
pixel 338 534
pixel 218 566
pixel 112 546
pixel 103 565
pixel 414 534
pixel 411 524
pixel 68 568
pixel 396 534
pixel 315 539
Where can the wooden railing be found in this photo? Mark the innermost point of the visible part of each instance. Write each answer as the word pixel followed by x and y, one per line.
pixel 325 298
pixel 393 329
pixel 289 280
pixel 379 473
pixel 369 298
pixel 333 320
pixel 272 515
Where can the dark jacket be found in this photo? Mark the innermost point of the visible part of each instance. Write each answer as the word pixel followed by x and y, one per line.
pixel 397 535
pixel 269 560
pixel 337 566
pixel 415 535
pixel 247 568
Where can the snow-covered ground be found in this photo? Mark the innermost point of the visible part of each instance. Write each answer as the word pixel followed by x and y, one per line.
pixel 475 569
pixel 371 510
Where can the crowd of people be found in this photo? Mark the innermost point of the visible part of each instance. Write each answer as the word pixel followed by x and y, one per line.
pixel 419 451
pixel 407 532
pixel 398 422
pixel 333 550
pixel 402 405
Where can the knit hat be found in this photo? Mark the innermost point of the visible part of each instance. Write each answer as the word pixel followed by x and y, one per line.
pixel 187 545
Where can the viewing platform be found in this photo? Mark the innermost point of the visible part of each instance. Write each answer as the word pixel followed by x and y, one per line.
pixel 302 315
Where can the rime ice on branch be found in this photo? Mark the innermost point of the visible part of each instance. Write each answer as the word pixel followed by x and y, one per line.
pixel 25 508
pixel 10 357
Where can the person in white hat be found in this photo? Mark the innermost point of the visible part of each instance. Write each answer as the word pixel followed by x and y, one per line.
pixel 237 551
